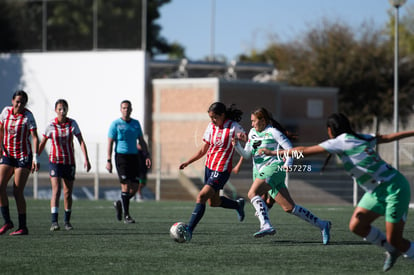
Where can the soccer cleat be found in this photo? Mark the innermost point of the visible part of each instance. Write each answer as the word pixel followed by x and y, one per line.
pixel 240 210
pixel 20 231
pixel 188 234
pixel 118 208
pixel 6 227
pixel 68 226
pixel 326 235
pixel 390 259
pixel 264 232
pixel 55 226
pixel 129 219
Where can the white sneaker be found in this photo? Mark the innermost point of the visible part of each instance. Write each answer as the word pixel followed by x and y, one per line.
pixel 264 231
pixel 139 198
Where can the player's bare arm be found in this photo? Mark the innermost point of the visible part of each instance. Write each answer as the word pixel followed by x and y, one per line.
pixel 305 151
pixel 200 153
pixel 35 139
pixel 394 136
pixel 109 154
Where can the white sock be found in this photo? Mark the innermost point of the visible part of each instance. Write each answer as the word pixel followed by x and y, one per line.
pixel 54 210
pixel 410 252
pixel 307 216
pixel 375 236
pixel 261 210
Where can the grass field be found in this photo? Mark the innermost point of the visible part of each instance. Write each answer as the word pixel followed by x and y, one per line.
pixel 221 245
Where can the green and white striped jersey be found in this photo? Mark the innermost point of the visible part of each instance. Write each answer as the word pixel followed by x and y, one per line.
pixel 360 159
pixel 269 138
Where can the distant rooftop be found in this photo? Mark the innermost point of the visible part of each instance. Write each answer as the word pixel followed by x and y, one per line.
pixel 260 72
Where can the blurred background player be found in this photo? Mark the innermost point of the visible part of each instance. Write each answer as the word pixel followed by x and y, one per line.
pixel 126 132
pixel 217 144
pixel 62 167
pixel 387 191
pixel 143 170
pixel 18 158
pixel 269 174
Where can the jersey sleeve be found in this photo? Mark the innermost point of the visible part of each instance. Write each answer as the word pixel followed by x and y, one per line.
pixel 283 142
pixel 248 146
pixel 112 132
pixel 207 133
pixel 281 139
pixel 48 131
pixel 333 146
pixel 3 115
pixel 31 122
pixel 76 130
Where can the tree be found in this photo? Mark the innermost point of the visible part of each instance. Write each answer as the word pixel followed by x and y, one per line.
pixel 8 34
pixel 331 54
pixel 70 26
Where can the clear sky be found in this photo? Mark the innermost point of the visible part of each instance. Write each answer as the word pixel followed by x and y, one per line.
pixel 242 25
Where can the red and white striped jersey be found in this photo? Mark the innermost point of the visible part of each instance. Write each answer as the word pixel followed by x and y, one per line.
pixel 221 150
pixel 16 138
pixel 61 135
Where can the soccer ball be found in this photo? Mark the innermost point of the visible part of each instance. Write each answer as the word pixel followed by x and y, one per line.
pixel 178 232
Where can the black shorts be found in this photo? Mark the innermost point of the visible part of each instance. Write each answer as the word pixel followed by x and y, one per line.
pixel 64 171
pixel 127 166
pixel 18 163
pixel 215 179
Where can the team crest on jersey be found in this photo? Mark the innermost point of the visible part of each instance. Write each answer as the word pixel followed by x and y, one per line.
pixel 219 136
pixel 218 142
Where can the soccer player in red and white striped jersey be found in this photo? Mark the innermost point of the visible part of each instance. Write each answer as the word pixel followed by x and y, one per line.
pixel 17 125
pixel 217 144
pixel 61 131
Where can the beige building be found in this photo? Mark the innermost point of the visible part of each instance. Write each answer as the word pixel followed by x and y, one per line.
pixel 179 114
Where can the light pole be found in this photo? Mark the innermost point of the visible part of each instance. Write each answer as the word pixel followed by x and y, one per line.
pixel 212 29
pixel 396 4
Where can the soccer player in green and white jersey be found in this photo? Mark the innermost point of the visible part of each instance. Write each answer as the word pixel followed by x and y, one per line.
pixel 269 173
pixel 387 191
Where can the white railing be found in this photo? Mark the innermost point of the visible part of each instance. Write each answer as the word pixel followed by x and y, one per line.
pixel 322 187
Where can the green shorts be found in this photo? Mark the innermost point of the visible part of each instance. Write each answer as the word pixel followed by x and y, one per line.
pixel 390 199
pixel 274 175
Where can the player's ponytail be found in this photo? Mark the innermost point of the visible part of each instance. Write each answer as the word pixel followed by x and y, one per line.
pixel 231 112
pixel 339 124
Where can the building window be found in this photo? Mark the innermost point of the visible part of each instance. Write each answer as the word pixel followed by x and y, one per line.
pixel 315 108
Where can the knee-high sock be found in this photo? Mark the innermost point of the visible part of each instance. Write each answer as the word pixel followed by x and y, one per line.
pixel 6 214
pixel 377 237
pixel 307 216
pixel 22 220
pixel 228 203
pixel 54 213
pixel 68 213
pixel 196 216
pixel 261 210
pixel 125 202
